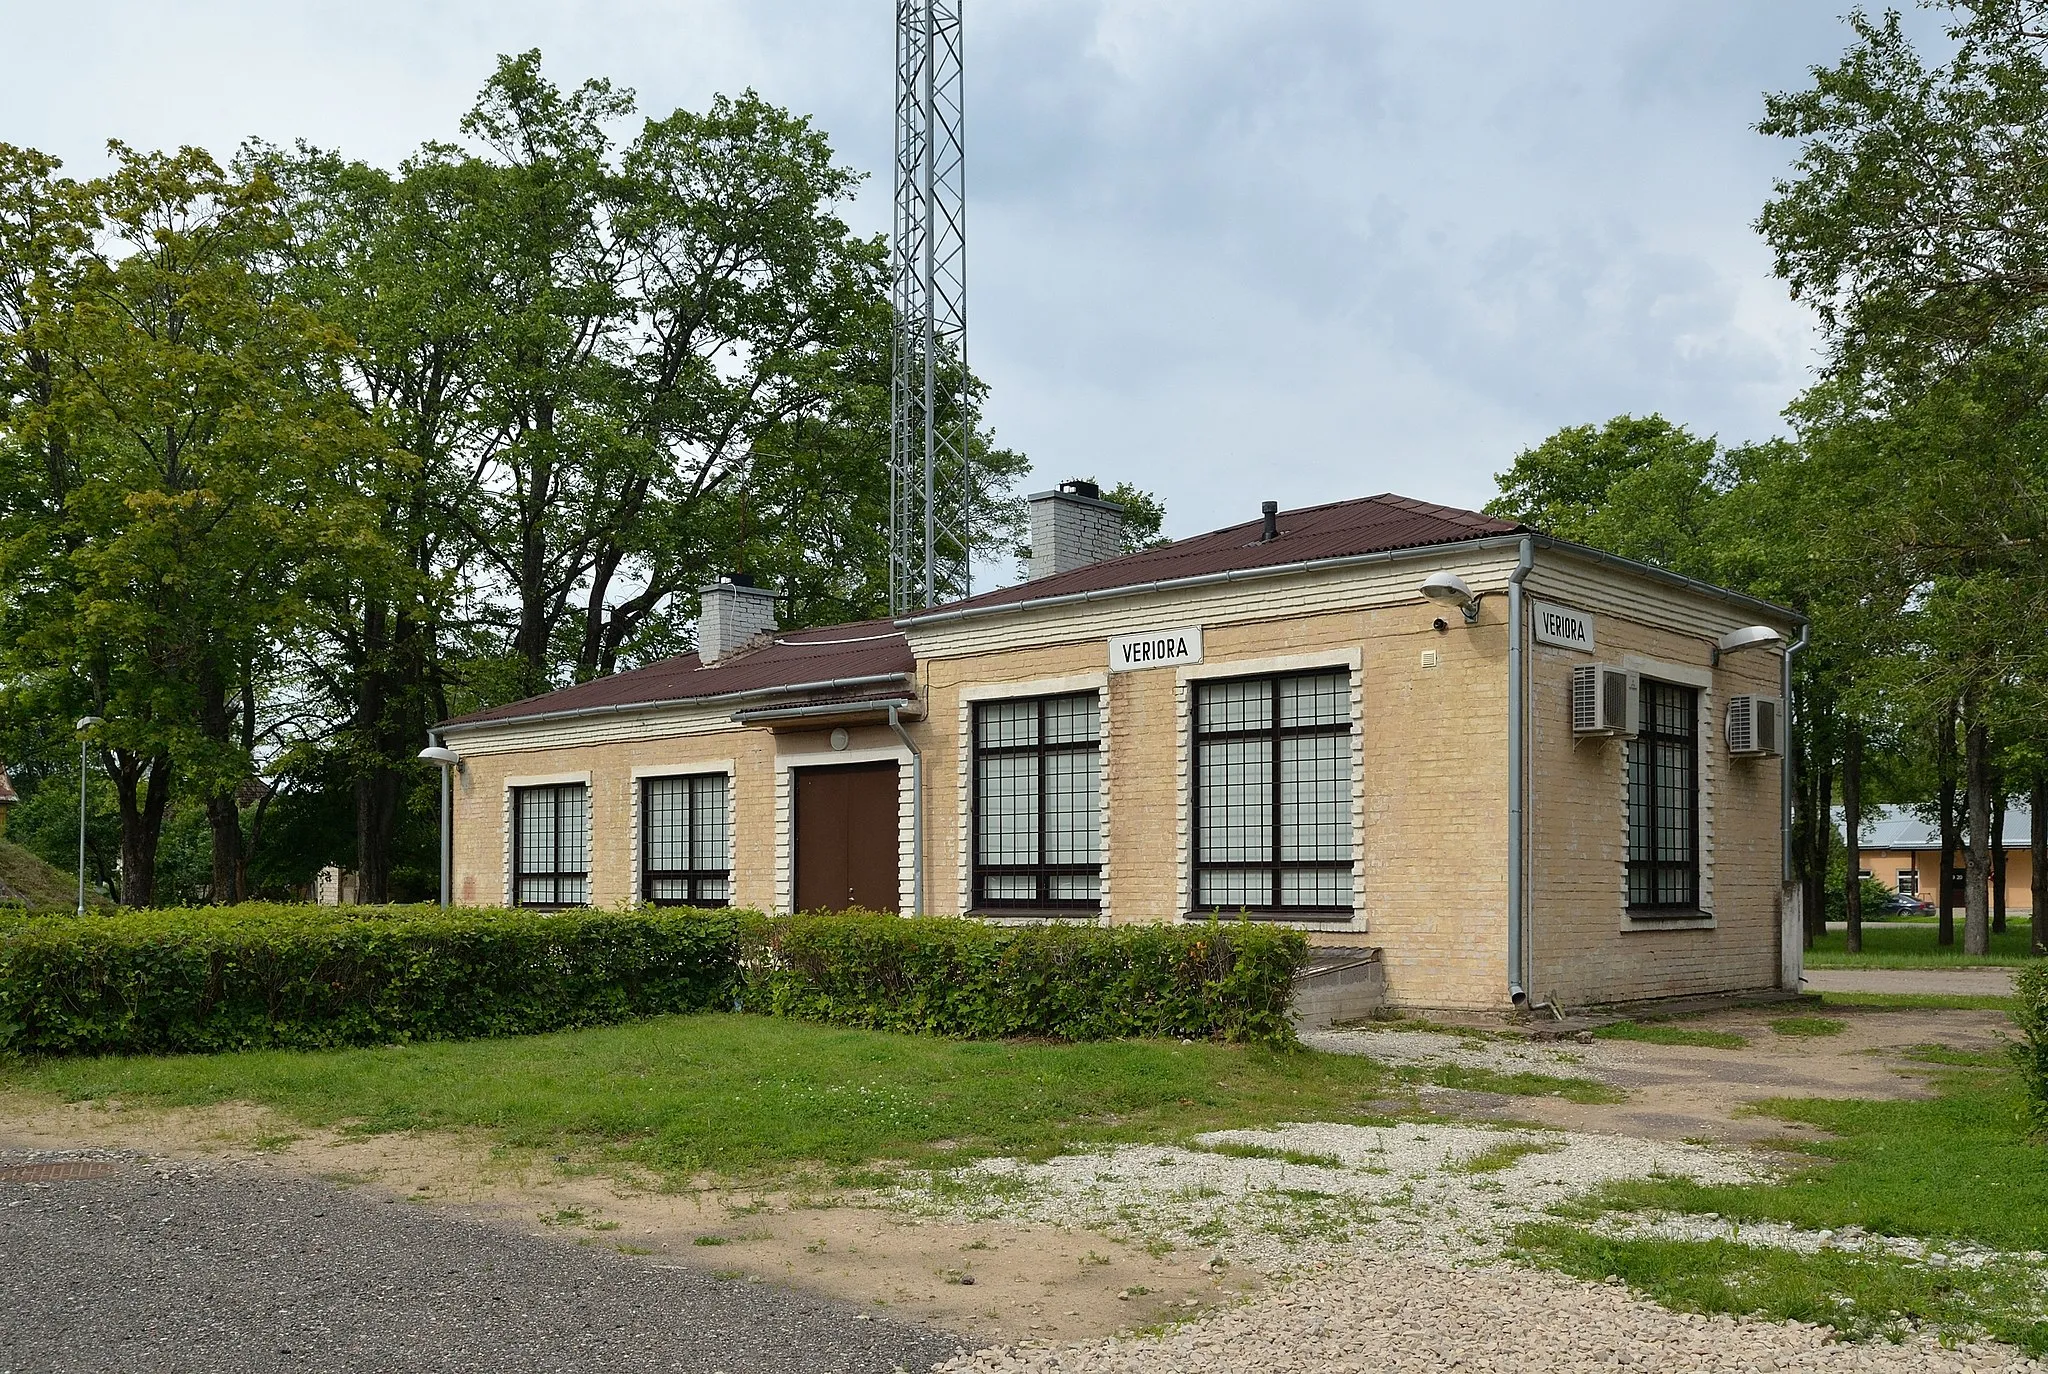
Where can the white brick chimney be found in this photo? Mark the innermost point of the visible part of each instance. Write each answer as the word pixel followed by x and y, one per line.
pixel 735 613
pixel 1071 527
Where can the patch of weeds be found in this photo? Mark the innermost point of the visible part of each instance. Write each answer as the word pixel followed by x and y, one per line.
pixel 567 1216
pixel 1136 1290
pixel 1091 1258
pixel 623 1248
pixel 1808 1025
pixel 734 1275
pixel 710 1240
pixel 748 1209
pixel 957 1276
pixel 1240 1150
pixel 1860 1296
pixel 1158 1247
pixel 977 1245
pixel 1658 1033
pixel 1956 1059
pixel 816 1247
pixel 604 1226
pixel 1588 1091
pixel 1919 1001
pixel 270 1143
pixel 866 1178
pixel 1494 1158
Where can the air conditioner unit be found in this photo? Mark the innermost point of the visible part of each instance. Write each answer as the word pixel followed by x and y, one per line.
pixel 1755 726
pixel 1605 700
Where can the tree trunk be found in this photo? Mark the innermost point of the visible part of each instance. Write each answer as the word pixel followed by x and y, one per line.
pixel 1820 830
pixel 224 819
pixel 142 788
pixel 377 797
pixel 1977 862
pixel 1945 765
pixel 2038 835
pixel 1998 857
pixel 1852 831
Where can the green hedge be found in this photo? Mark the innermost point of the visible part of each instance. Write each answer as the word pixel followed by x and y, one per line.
pixel 947 976
pixel 229 978
pixel 2030 1010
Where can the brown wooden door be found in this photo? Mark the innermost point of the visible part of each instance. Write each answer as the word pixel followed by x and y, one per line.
pixel 846 837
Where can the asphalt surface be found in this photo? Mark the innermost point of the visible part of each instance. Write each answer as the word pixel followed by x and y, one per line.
pixel 165 1266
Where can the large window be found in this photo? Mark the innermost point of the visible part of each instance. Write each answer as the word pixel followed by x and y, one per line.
pixel 683 841
pixel 551 845
pixel 1038 803
pixel 1273 794
pixel 1663 802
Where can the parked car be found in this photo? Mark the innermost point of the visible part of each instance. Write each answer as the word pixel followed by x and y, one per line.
pixel 1905 904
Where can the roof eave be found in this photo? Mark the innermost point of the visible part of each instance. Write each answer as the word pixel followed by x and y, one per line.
pixel 625 707
pixel 1175 584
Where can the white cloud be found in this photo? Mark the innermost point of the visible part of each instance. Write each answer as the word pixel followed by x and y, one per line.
pixel 1226 249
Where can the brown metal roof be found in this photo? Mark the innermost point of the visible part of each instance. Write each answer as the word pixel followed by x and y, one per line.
pixel 848 658
pixel 833 659
pixel 1342 529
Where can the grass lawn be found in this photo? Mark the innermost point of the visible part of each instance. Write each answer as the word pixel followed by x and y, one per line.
pixel 1958 1167
pixel 1913 946
pixel 749 1094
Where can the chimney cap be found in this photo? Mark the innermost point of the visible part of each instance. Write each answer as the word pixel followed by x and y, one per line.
pixel 1081 486
pixel 1269 513
pixel 740 579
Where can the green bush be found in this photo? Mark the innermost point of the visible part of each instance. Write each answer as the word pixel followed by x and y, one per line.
pixel 228 978
pixel 260 975
pixel 2030 1011
pixel 940 975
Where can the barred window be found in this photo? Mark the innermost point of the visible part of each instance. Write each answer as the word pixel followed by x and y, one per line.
pixel 1038 803
pixel 683 841
pixel 1663 802
pixel 1273 794
pixel 551 845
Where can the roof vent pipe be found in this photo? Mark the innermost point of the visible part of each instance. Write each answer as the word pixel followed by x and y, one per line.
pixel 1271 511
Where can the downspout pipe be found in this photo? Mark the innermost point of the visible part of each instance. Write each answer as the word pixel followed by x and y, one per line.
pixel 1517 941
pixel 1785 783
pixel 916 811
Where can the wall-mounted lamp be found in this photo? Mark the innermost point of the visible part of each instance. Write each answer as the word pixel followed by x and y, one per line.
pixel 1748 637
pixel 450 764
pixel 1449 589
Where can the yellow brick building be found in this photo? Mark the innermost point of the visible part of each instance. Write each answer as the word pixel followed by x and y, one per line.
pixel 1512 767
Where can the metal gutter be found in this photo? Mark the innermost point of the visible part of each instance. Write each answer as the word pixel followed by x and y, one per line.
pixel 916 812
pixel 1517 937
pixel 765 714
pixel 621 707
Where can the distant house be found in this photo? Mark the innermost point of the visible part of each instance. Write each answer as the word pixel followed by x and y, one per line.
pixel 1902 850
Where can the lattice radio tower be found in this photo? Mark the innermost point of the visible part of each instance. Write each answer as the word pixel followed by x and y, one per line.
pixel 931 486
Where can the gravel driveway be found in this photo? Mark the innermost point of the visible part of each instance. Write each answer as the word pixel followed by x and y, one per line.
pixel 196 1268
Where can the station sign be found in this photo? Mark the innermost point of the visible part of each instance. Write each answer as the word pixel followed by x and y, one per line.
pixel 1155 649
pixel 1563 627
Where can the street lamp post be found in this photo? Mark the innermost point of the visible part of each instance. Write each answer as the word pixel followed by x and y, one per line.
pixel 450 764
pixel 85 725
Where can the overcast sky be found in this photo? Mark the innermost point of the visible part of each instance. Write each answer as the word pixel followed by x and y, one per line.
pixel 1226 249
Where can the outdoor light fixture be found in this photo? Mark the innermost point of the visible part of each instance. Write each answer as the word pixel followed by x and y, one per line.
pixel 1748 637
pixel 86 724
pixel 450 764
pixel 1449 589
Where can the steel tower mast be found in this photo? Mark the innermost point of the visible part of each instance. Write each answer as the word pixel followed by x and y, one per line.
pixel 930 477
